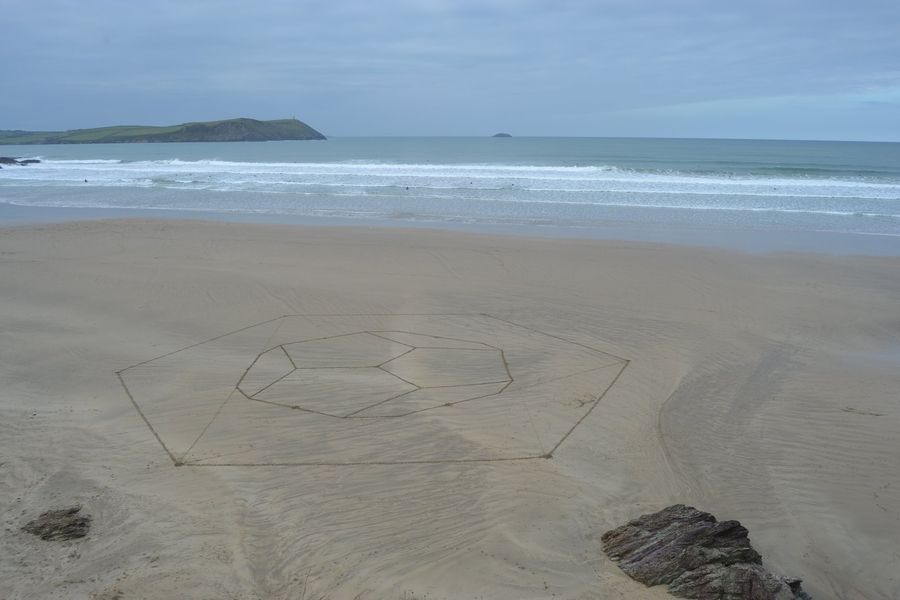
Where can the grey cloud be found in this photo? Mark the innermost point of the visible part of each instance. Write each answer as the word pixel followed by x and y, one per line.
pixel 404 67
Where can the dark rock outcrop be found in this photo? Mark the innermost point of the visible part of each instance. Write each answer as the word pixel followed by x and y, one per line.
pixel 8 160
pixel 55 525
pixel 696 556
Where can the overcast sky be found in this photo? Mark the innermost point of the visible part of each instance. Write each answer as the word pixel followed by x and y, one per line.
pixel 798 69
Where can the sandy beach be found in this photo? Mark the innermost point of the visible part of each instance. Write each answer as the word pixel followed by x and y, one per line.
pixel 271 412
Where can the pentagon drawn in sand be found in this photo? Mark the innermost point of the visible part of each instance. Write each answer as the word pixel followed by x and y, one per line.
pixel 370 389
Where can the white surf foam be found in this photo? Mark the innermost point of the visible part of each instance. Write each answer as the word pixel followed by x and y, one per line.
pixel 599 186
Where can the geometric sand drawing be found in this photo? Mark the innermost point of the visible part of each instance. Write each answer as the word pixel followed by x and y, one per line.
pixel 371 374
pixel 370 389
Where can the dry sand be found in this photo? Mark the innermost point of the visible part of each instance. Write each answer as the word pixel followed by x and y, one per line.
pixel 760 388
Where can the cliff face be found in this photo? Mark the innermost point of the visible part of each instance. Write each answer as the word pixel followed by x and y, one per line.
pixel 231 130
pixel 236 130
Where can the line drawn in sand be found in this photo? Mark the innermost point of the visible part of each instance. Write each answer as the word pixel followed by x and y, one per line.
pixel 356 389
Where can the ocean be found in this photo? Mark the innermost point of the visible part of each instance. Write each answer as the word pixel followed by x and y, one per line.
pixel 564 183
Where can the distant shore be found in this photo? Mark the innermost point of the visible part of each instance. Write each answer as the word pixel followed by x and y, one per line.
pixel 743 239
pixel 229 130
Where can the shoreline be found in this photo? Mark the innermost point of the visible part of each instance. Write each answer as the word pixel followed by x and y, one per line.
pixel 754 241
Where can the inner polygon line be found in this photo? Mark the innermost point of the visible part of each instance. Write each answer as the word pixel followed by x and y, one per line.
pixel 360 349
pixel 336 392
pixel 353 373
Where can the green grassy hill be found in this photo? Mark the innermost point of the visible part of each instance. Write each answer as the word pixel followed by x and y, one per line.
pixel 230 130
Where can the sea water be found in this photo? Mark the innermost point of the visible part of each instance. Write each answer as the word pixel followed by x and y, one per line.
pixel 793 186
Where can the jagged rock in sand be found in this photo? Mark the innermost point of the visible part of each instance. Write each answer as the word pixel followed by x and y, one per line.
pixel 696 556
pixel 55 525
